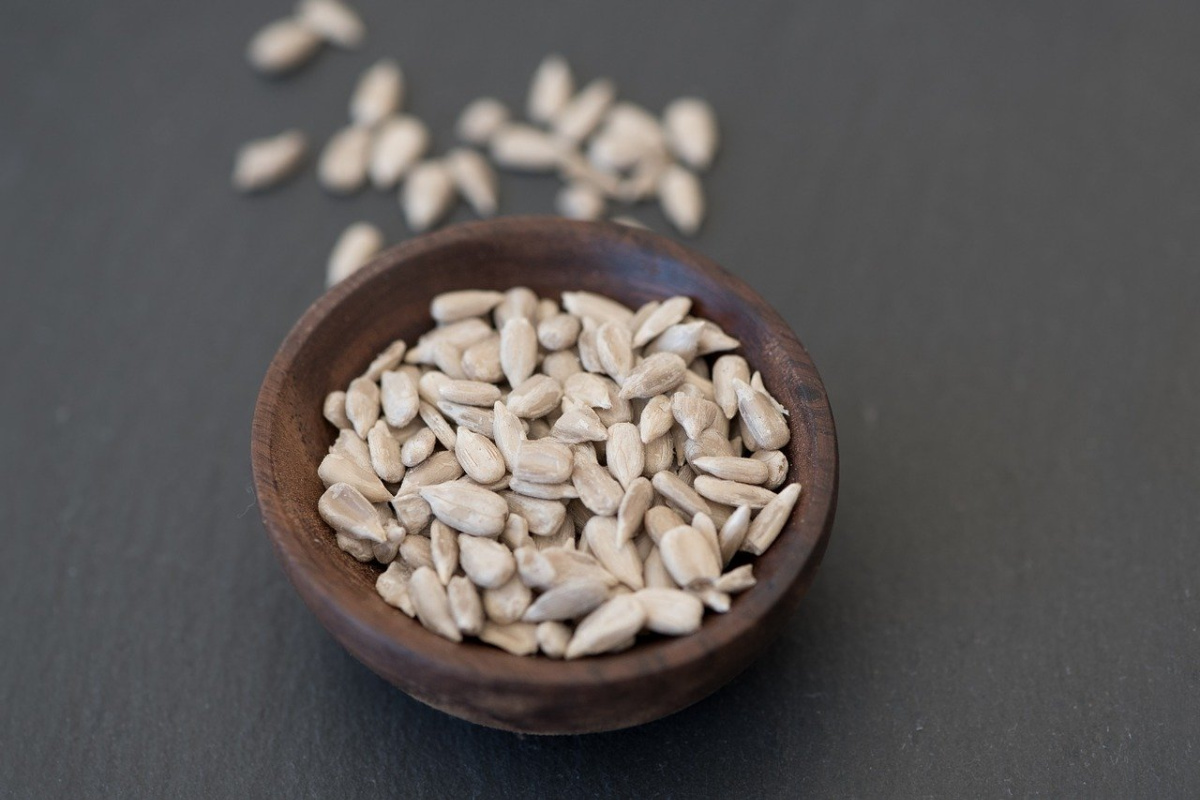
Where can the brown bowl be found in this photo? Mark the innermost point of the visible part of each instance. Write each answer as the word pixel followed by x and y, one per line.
pixel 339 335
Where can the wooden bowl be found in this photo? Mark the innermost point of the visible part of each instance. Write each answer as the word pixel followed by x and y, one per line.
pixel 339 335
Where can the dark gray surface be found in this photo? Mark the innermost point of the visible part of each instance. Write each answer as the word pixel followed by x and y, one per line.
pixel 984 221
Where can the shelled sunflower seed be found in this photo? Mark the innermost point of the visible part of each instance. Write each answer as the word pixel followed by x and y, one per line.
pixel 567 508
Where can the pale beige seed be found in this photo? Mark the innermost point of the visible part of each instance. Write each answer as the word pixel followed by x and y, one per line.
pixel 533 567
pixel 347 511
pixel 679 440
pixel 543 491
pixel 455 306
pixel 392 586
pixel 362 405
pixel 659 520
pixel 552 638
pixel 608 627
pixel 770 521
pixel 386 552
pixel 550 89
pixel 715 340
pixel 679 494
pixel 440 467
pixel 558 332
pixel 708 529
pixel 701 387
pixel 545 517
pixel 475 179
pixel 432 605
pixel 282 46
pixel 691 129
pixel 756 383
pixel 437 423
pixel 507 603
pixel 507 432
pixel 334 410
pixel 481 361
pixel 589 305
pixel 694 414
pixel 465 605
pixel 598 490
pixel 711 444
pixel 385 453
pixel 536 397
pixel 470 393
pixel 447 358
pixel 747 436
pixel 568 564
pixel 683 340
pixel 580 116
pixel 643 181
pixel 359 549
pixel 400 142
pixel 588 389
pixel 657 374
pixel 430 383
pixel 494 486
pixel 614 348
pixel 544 461
pixel 516 532
pixel 519 301
pixel 518 350
pixel 589 357
pixel 660 455
pixel 333 21
pixel 524 148
pixel 777 467
pixel 480 120
pixel 621 559
pixel 427 195
pixel 418 448
pixel 654 574
pixel 682 199
pixel 702 370
pixel 357 245
pixel 580 424
pixel 487 563
pixel 575 169
pixel 568 600
pixel 579 200
pixel 687 556
pixel 763 420
pixel 417 551
pixel 412 511
pixel 342 166
pixel 715 600
pixel 378 93
pixel 467 508
pixel 461 334
pixel 349 446
pixel 335 469
pixel 663 316
pixel 546 308
pixel 670 611
pixel 737 580
pixel 726 370
pixel 733 533
pixel 399 398
pixel 443 548
pixel 518 638
pixel 741 470
pixel 479 457
pixel 639 494
pixel 626 454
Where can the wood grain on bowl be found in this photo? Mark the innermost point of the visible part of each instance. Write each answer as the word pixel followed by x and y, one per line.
pixel 389 299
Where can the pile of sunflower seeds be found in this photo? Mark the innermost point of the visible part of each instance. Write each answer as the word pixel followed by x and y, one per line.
pixel 558 478
pixel 604 151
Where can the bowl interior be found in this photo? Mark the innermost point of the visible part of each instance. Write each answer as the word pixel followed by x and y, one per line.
pixel 388 300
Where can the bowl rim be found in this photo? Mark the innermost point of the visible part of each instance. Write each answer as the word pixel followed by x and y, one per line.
pixel 473 661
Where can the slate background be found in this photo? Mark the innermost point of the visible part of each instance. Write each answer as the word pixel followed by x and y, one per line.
pixel 982 219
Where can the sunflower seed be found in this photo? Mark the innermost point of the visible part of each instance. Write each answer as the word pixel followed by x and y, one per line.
pixel 682 339
pixel 568 600
pixel 357 245
pixel 777 467
pixel 694 414
pixel 737 580
pixel 400 142
pixel 614 349
pixel 443 549
pixel 282 46
pixel 670 611
pixel 399 398
pixel 417 551
pixel 481 361
pixel 263 163
pixel 467 508
pixel 634 505
pixel 656 418
pixel 657 374
pixel 480 120
pixel 621 559
pixel 347 511
pixel 687 556
pixel 552 638
pixel 727 369
pixel 588 305
pixel 733 533
pixel 507 432
pixel 418 448
pixel 579 200
pixel 378 93
pixel 715 600
pixel 654 574
pixel 704 524
pixel 518 638
pixel 741 470
pixel 448 359
pixel 691 128
pixel 558 332
pixel 412 511
pixel 714 340
pixel 362 405
pixel 487 563
pixel 334 410
pixel 470 393
pixel 432 605
pixel 535 397
pixel 333 21
pixel 359 549
pixel 533 567
pixel 427 195
pixel 659 456
pixel 342 166
pixel 561 366
pixel 392 586
pixel 682 199
pixel 440 467
pixel 475 180
pixel 385 453
pixel 519 301
pixel 711 444
pixel 543 491
pixel 626 455
pixel 770 521
pixel 516 532
pixel 437 423
pixel 465 606
pixel 480 459
pixel 608 627
pixel 583 112
pixel 580 424
pixel 545 517
pixel 507 603
pixel 518 350
pixel 756 383
pixel 550 90
pixel 629 135
pixel 516 146
pixel 764 422
pixel 544 461
pixel 676 492
pixel 669 312
pixel 588 390
pixel 598 491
